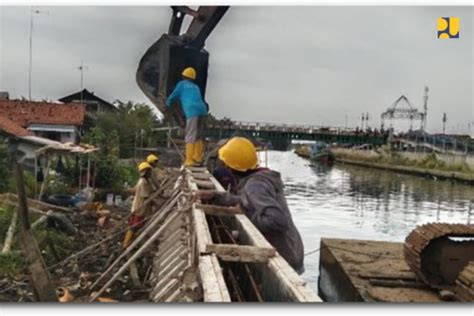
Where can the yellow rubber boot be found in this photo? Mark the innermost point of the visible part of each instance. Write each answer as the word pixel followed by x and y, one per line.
pixel 198 151
pixel 189 155
pixel 128 238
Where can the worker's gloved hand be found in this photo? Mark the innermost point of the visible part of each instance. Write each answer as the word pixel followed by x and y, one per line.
pixel 203 195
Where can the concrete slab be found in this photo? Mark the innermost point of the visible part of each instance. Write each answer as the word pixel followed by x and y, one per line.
pixel 368 271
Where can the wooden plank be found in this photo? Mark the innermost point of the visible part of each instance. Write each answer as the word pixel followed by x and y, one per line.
pixel 204 184
pixel 201 176
pixel 239 253
pixel 174 255
pixel 175 296
pixel 400 276
pixel 172 272
pixel 197 169
pixel 165 289
pixel 296 289
pixel 211 285
pixel 219 210
pixel 43 288
pixel 203 235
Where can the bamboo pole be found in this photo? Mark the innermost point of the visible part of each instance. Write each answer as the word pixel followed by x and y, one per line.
pixel 138 253
pixel 45 180
pixel 137 240
pixel 10 233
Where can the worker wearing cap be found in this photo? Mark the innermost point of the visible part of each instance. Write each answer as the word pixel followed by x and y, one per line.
pixel 195 109
pixel 157 174
pixel 139 211
pixel 261 198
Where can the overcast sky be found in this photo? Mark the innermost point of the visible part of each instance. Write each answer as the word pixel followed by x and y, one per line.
pixel 311 65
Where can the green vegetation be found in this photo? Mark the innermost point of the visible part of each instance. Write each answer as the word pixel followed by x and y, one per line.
pixel 131 124
pixel 11 264
pixel 5 172
pixel 109 173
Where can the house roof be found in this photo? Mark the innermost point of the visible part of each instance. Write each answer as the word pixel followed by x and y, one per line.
pixel 86 96
pixel 25 113
pixel 11 128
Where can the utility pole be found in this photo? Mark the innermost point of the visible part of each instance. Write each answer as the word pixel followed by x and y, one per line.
pixel 32 11
pixel 81 69
pixel 425 107
pixel 444 123
pixel 362 118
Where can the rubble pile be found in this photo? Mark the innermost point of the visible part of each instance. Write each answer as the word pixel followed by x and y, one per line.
pixel 77 245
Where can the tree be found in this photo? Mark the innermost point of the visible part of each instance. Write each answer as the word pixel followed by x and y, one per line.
pixel 132 122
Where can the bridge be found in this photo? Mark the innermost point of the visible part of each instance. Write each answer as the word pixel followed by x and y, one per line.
pixel 280 136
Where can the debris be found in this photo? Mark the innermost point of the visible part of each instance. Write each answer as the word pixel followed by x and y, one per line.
pixel 102 221
pixel 65 295
pixel 60 222
pixel 106 300
pixel 103 213
pixel 447 295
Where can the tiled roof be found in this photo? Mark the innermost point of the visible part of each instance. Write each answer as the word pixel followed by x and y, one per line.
pixel 24 113
pixel 86 96
pixel 12 128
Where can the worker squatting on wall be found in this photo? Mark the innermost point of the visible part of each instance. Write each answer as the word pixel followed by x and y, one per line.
pixel 260 196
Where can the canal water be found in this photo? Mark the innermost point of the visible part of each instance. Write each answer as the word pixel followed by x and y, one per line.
pixel 346 201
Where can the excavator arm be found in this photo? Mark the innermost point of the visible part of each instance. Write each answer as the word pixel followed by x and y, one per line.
pixel 160 67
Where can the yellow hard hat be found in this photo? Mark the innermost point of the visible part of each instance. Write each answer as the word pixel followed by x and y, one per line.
pixel 189 72
pixel 143 166
pixel 239 154
pixel 151 158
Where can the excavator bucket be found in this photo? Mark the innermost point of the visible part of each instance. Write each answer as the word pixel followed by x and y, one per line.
pixel 160 67
pixel 160 70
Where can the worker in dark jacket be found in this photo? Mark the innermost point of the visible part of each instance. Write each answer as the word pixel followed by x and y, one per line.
pixel 195 110
pixel 260 196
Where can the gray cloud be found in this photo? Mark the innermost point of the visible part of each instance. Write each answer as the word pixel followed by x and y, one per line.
pixel 311 65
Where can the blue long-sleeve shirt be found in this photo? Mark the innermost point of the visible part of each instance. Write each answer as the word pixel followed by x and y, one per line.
pixel 190 97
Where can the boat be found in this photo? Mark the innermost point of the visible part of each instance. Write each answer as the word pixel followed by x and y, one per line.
pixel 318 152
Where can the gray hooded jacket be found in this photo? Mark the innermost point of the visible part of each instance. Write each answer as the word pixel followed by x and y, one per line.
pixel 261 197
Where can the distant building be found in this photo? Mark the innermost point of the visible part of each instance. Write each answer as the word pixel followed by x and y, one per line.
pixel 93 103
pixel 55 121
pixel 4 95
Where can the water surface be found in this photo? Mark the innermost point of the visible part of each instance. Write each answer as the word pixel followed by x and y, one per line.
pixel 346 201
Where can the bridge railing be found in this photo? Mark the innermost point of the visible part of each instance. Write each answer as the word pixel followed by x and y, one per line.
pixel 441 142
pixel 282 127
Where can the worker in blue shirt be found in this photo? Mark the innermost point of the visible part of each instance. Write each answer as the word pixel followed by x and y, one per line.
pixel 195 110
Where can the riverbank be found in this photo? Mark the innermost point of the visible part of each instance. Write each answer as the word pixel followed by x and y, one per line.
pixel 427 165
